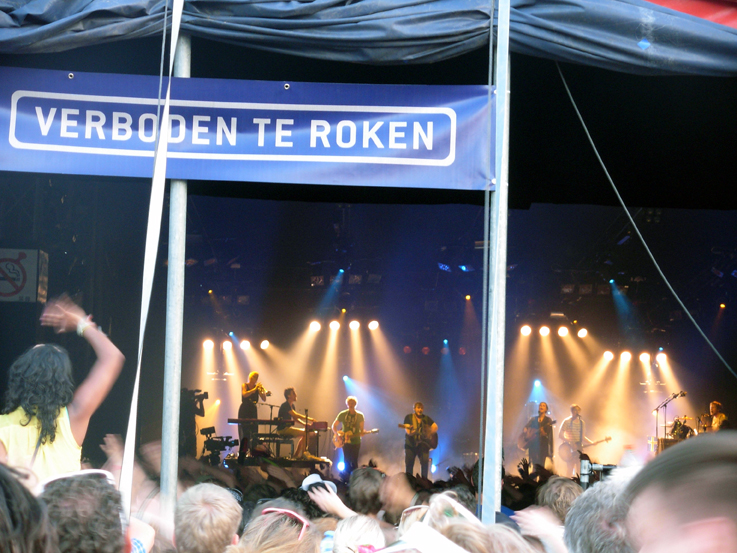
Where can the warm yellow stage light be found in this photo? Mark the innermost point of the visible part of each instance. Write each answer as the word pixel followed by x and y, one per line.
pixel 209 291
pixel 342 310
pixel 227 344
pixel 563 331
pixel 645 357
pixel 544 331
pixel 264 344
pixel 334 325
pixel 373 325
pixel 583 333
pixel 245 344
pixel 608 355
pixel 626 356
pixel 315 326
pixel 217 402
pixel 722 305
pixel 661 357
pixel 525 330
pixel 468 298
pixel 354 325
pixel 208 344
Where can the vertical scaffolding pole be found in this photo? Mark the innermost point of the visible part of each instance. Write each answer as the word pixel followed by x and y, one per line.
pixel 174 315
pixel 497 242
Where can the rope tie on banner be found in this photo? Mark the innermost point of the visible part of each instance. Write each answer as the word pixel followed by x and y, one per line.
pixel 636 229
pixel 156 206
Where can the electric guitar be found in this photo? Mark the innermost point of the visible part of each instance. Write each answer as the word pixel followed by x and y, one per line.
pixel 424 436
pixel 568 450
pixel 340 437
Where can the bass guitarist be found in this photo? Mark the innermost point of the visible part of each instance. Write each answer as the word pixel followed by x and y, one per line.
pixel 349 436
pixel 538 437
pixel 573 435
pixel 420 439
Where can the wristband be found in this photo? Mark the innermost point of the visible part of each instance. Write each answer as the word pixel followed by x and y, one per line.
pixel 82 326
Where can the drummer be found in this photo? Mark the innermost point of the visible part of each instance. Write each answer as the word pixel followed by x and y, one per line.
pixel 680 429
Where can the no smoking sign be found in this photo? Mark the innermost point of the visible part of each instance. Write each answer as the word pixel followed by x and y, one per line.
pixel 23 275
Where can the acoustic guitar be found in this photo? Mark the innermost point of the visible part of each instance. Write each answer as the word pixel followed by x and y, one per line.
pixel 340 437
pixel 529 433
pixel 568 450
pixel 424 436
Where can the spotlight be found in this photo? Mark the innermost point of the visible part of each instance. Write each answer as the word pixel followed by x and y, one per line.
pixel 722 305
pixel 544 331
pixel 209 291
pixel 583 333
pixel 354 325
pixel 661 357
pixel 334 325
pixel 217 402
pixel 345 379
pixel 373 325
pixel 445 341
pixel 608 355
pixel 341 271
pixel 315 326
pixel 537 383
pixel 526 330
pixel 626 356
pixel 264 344
pixel 341 466
pixel 645 357
pixel 563 331
pixel 342 310
pixel 245 344
pixel 208 344
pixel 433 468
pixel 468 298
pixel 227 345
pixel 611 281
pixel 407 349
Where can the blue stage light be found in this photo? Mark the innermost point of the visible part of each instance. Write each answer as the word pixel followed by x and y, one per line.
pixel 611 281
pixel 341 466
pixel 444 267
pixel 445 342
pixel 433 469
pixel 537 383
pixel 345 379
pixel 341 271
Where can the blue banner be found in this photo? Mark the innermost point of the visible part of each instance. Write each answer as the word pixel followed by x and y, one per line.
pixel 257 131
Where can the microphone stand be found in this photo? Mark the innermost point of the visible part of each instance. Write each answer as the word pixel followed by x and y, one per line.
pixel 664 406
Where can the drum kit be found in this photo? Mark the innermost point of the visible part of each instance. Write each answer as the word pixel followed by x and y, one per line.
pixel 680 429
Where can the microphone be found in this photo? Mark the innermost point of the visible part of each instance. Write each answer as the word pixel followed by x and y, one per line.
pixel 682 394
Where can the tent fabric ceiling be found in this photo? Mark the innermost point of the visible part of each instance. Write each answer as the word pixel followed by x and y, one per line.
pixel 631 36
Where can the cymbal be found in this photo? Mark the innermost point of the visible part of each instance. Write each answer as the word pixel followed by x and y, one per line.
pixel 684 418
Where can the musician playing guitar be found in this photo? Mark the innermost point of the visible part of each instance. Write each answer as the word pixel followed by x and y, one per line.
pixel 420 439
pixel 349 435
pixel 573 435
pixel 538 436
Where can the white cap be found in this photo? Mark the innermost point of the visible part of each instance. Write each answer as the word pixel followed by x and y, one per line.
pixel 315 479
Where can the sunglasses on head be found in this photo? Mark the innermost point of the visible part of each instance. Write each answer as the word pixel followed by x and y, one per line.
pixel 294 516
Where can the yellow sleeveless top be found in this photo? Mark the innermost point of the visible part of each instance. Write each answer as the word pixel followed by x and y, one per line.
pixel 59 457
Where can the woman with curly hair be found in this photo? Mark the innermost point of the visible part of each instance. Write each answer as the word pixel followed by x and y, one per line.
pixel 45 419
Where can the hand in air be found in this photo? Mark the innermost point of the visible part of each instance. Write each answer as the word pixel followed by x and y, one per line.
pixel 329 502
pixel 63 315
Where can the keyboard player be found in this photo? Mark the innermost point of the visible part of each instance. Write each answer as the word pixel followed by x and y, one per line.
pixel 288 413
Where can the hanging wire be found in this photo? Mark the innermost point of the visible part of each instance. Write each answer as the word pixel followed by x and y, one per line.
pixel 637 230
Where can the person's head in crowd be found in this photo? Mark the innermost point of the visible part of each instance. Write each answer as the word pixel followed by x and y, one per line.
pixel 686 498
pixel 206 520
pixel 86 512
pixel 278 530
pixel 301 498
pixel 558 494
pixel 595 523
pixel 353 532
pixel 24 522
pixel 40 381
pixel 364 490
pixel 465 496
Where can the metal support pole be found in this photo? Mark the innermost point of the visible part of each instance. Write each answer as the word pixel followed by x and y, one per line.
pixel 497 239
pixel 174 316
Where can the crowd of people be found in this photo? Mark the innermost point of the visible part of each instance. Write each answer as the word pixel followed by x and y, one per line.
pixel 684 499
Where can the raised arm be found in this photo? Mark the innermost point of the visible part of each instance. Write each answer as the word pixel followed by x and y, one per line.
pixel 66 316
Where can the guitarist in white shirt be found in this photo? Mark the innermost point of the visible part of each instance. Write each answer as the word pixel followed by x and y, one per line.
pixel 349 436
pixel 573 434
